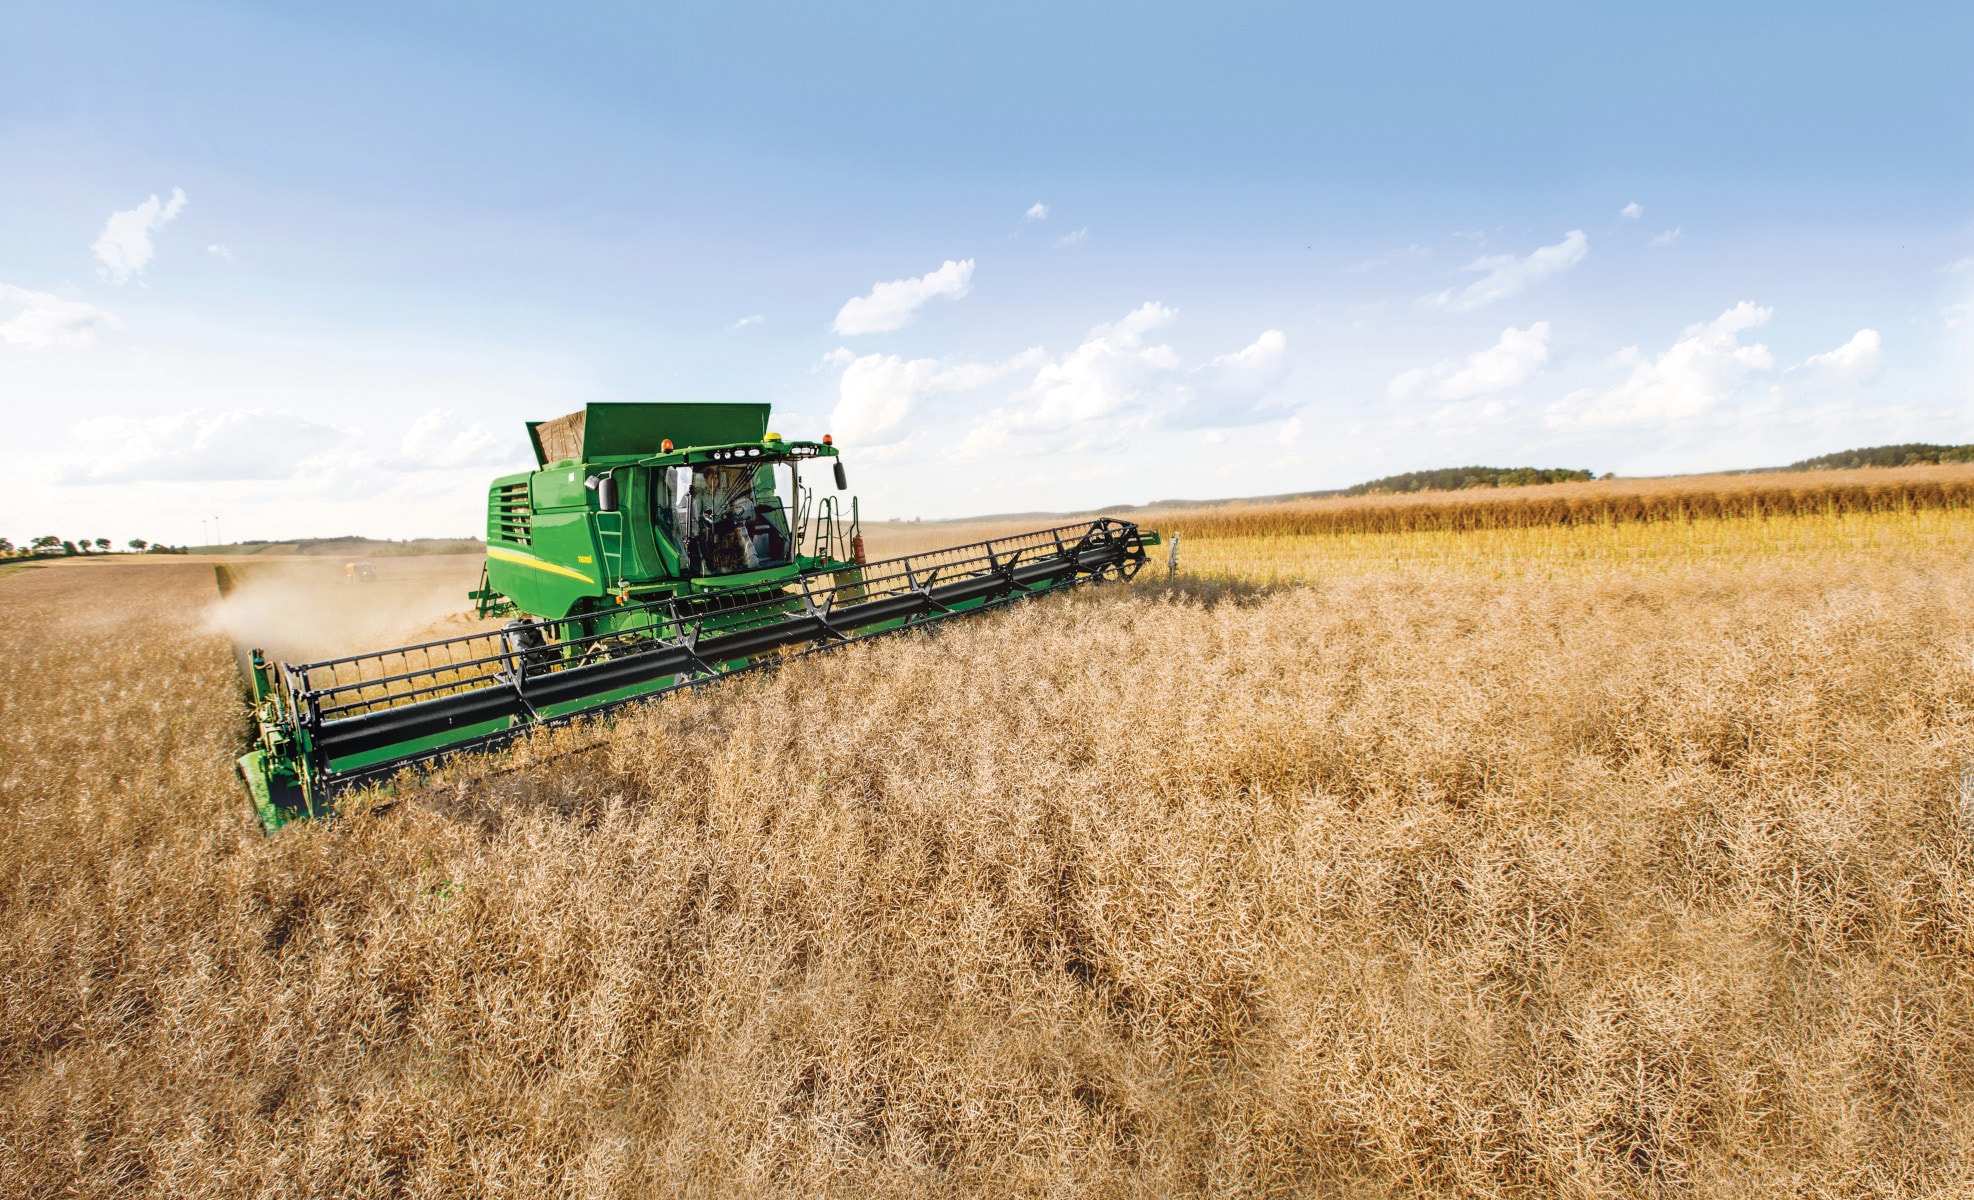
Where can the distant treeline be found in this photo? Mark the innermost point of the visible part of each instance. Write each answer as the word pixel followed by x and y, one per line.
pixel 53 546
pixel 1905 455
pixel 1453 479
pixel 1661 503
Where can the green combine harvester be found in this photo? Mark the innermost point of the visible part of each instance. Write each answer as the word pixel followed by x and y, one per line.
pixel 655 547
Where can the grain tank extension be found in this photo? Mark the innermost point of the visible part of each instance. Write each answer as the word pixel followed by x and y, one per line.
pixel 654 547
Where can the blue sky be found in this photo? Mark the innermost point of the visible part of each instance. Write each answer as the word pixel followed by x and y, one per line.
pixel 307 271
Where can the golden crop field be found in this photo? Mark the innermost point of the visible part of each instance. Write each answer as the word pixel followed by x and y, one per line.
pixel 1614 858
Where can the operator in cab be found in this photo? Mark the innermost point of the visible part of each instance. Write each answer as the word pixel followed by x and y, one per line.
pixel 733 530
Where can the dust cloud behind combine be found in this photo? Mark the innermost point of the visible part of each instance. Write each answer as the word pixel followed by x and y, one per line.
pixel 305 610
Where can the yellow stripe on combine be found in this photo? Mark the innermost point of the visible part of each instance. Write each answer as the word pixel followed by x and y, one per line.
pixel 529 560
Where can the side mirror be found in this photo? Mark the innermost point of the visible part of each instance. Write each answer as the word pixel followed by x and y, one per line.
pixel 842 480
pixel 606 494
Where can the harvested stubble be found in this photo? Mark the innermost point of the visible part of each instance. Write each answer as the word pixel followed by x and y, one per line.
pixel 1644 882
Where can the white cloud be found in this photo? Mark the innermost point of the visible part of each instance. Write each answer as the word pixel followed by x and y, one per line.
pixel 219 251
pixel 1240 388
pixel 1467 417
pixel 877 396
pixel 1104 376
pixel 1290 432
pixel 196 446
pixel 1668 237
pixel 744 322
pixel 1260 365
pixel 1960 264
pixel 43 320
pixel 1701 371
pixel 1116 376
pixel 1508 363
pixel 1505 275
pixel 1632 211
pixel 442 438
pixel 841 356
pixel 891 305
pixel 1856 358
pixel 1120 378
pixel 124 248
pixel 988 438
pixel 880 394
pixel 1073 238
pixel 1037 211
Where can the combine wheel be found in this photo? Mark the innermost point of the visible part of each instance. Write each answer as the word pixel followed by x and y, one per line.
pixel 527 649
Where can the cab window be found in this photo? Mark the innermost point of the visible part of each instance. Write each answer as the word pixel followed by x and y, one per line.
pixel 726 519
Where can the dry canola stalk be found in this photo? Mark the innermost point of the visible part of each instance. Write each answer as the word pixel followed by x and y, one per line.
pixel 1636 883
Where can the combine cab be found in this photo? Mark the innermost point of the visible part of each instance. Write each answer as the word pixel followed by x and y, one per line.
pixel 656 546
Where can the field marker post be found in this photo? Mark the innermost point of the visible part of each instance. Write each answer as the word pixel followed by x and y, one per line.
pixel 1172 558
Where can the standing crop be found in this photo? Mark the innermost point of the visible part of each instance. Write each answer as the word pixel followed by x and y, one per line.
pixel 1623 859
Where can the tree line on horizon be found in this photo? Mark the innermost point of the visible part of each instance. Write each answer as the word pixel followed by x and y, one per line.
pixel 49 545
pixel 1453 479
pixel 1905 454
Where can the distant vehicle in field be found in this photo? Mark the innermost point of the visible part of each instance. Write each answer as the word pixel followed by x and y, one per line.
pixel 359 572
